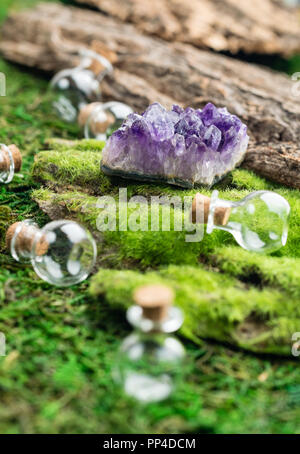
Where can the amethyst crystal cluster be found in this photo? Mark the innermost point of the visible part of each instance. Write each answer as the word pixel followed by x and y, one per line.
pixel 182 147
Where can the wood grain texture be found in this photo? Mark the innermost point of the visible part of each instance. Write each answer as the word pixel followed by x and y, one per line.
pixel 250 26
pixel 149 69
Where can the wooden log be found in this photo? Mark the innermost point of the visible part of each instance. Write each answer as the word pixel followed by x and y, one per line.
pixel 149 69
pixel 255 26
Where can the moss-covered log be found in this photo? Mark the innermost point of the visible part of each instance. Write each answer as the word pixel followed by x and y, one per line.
pixel 149 69
pixel 256 26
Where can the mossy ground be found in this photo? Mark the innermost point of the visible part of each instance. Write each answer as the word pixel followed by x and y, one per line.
pixel 61 344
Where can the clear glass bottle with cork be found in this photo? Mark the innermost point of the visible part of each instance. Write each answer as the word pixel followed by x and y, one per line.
pixel 62 253
pixel 10 162
pixel 150 360
pixel 259 222
pixel 99 120
pixel 76 87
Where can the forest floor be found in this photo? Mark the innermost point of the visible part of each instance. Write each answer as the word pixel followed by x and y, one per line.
pixel 62 344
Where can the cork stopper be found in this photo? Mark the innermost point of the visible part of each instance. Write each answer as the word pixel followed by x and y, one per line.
pixel 201 205
pixel 25 239
pixel 97 127
pixel 96 66
pixel 85 112
pixel 17 158
pixel 155 301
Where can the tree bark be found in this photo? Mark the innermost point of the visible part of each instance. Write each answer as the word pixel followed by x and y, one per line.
pixel 149 69
pixel 250 26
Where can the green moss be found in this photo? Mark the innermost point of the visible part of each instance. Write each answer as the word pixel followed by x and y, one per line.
pixel 56 144
pixel 144 248
pixel 245 179
pixel 259 270
pixel 6 218
pixel 255 293
pixel 215 306
pixel 72 167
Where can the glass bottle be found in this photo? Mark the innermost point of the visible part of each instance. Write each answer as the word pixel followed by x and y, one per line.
pixel 150 360
pixel 76 87
pixel 62 253
pixel 259 222
pixel 101 119
pixel 10 162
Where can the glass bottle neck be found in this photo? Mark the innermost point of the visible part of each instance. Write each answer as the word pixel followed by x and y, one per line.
pixel 220 213
pixel 98 64
pixel 171 323
pixel 23 241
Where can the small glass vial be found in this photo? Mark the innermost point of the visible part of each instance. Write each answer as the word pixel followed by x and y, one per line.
pixel 62 253
pixel 150 361
pixel 76 87
pixel 259 222
pixel 10 162
pixel 101 119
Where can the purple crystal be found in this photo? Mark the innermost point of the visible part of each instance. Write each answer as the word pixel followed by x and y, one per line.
pixel 183 147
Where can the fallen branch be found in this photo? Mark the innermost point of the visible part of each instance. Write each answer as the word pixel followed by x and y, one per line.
pixel 149 69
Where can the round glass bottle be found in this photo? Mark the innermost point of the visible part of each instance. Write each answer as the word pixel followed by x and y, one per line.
pixel 62 253
pixel 259 222
pixel 10 162
pixel 150 360
pixel 76 87
pixel 99 120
